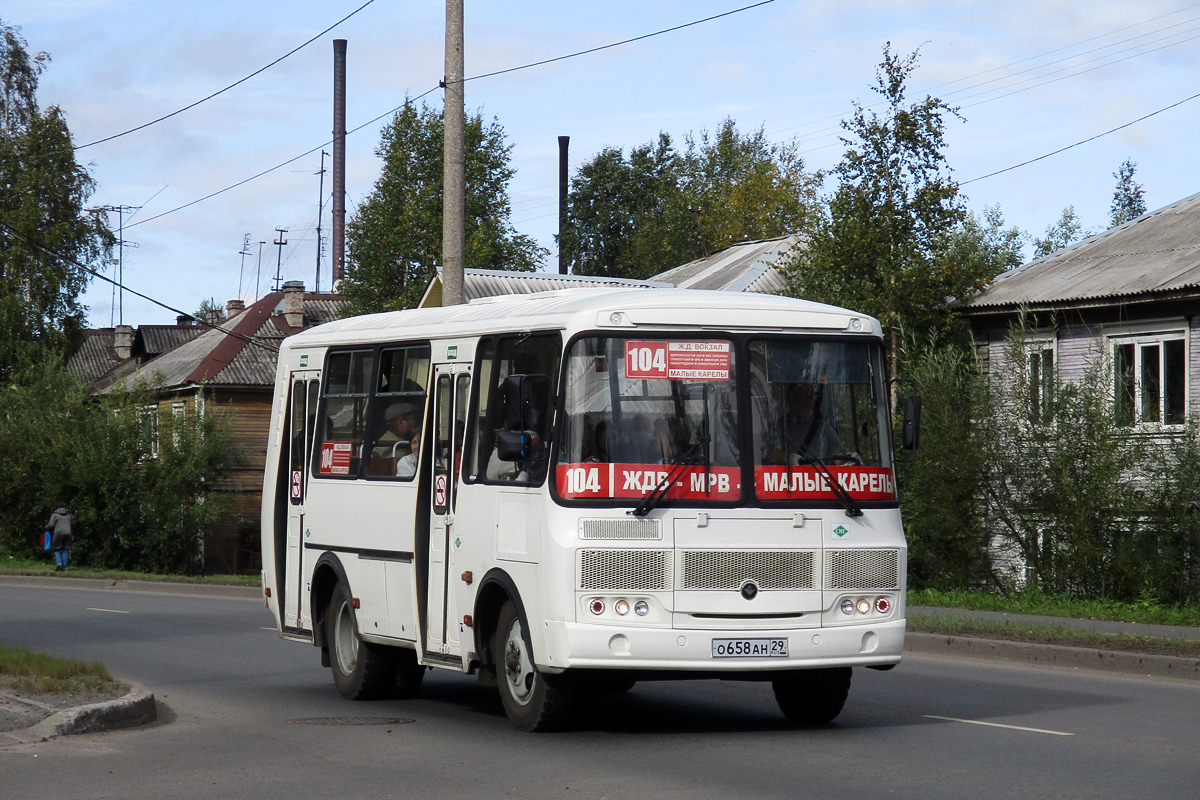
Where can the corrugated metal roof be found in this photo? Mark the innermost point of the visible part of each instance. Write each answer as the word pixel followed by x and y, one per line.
pixel 217 357
pixel 1157 254
pixel 744 267
pixel 95 356
pixel 479 283
pixel 157 339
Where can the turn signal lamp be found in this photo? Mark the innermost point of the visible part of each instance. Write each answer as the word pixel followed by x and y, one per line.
pixel 596 606
pixel 883 605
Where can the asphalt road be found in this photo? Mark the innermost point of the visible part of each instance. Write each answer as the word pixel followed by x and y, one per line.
pixel 242 706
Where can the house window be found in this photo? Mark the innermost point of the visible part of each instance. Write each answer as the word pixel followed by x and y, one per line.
pixel 178 422
pixel 148 429
pixel 1041 379
pixel 1149 380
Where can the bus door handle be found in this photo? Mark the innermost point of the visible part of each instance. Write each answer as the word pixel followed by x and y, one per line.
pixel 448 518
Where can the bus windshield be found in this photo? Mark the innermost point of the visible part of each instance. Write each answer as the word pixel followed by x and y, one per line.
pixel 661 415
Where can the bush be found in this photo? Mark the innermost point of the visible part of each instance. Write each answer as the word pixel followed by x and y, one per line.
pixel 947 546
pixel 134 511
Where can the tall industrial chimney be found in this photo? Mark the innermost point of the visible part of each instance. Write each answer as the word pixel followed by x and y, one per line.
pixel 339 159
pixel 563 141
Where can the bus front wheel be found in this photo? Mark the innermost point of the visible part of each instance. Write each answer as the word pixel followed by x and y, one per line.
pixel 361 670
pixel 533 700
pixel 813 696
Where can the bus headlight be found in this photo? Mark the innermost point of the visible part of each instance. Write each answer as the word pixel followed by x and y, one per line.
pixel 863 606
pixel 641 608
pixel 847 606
pixel 621 607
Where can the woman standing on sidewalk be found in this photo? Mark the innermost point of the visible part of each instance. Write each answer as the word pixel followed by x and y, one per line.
pixel 61 527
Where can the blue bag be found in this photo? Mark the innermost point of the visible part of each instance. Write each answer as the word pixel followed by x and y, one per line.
pixel 46 541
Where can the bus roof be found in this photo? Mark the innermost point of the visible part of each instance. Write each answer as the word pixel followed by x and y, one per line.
pixel 616 310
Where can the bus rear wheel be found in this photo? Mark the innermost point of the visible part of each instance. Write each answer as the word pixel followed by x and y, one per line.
pixel 361 670
pixel 813 696
pixel 533 700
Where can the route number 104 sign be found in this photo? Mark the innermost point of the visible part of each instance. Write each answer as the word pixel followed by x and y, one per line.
pixel 680 361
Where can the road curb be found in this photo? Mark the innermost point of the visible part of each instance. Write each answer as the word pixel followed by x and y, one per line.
pixel 138 707
pixel 1110 661
pixel 148 587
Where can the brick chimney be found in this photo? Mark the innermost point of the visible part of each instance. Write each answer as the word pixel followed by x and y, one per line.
pixel 293 303
pixel 234 307
pixel 185 319
pixel 123 341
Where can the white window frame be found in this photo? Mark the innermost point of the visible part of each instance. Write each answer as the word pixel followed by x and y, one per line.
pixel 178 421
pixel 150 413
pixel 1142 336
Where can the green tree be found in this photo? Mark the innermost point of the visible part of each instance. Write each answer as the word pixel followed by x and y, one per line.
pixel 1129 199
pixel 1066 231
pixel 47 238
pixel 395 237
pixel 660 208
pixel 880 246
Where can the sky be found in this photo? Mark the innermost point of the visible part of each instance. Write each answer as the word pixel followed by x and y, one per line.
pixel 1028 78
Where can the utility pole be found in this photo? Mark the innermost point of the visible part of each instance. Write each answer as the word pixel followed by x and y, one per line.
pixel 320 213
pixel 453 178
pixel 119 300
pixel 258 272
pixel 245 251
pixel 280 242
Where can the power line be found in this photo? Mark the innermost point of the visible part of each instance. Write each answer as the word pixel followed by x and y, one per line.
pixel 617 44
pixel 230 86
pixel 254 340
pixel 1085 141
pixel 433 89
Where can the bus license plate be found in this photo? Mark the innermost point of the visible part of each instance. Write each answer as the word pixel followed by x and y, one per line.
pixel 749 648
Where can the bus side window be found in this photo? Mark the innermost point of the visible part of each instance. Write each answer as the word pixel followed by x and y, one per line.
pixel 343 413
pixel 398 409
pixel 533 355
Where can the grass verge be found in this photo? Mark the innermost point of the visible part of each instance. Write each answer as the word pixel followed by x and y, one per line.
pixel 11 565
pixel 1052 634
pixel 38 673
pixel 1147 611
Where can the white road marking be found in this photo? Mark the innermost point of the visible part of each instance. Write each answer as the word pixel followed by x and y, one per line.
pixel 268 629
pixel 998 725
pixel 108 610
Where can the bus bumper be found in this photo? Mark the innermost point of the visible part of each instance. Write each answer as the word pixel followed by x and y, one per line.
pixel 570 645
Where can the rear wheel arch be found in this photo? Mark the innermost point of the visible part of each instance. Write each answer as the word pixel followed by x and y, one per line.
pixel 327 574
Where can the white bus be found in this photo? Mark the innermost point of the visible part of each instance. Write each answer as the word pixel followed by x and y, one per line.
pixel 573 491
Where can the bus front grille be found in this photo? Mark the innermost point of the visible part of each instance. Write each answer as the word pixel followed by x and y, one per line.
pixel 731 569
pixel 862 569
pixel 625 570
pixel 619 529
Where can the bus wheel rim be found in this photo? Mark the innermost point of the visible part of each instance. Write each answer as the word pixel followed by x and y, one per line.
pixel 518 669
pixel 345 641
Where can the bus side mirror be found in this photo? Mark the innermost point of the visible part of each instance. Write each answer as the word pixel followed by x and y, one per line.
pixel 514 445
pixel 911 430
pixel 520 400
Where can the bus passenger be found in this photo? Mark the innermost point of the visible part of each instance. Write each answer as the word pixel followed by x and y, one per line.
pixel 406 467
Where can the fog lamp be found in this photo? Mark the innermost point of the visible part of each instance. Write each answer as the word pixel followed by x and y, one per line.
pixel 641 608
pixel 847 606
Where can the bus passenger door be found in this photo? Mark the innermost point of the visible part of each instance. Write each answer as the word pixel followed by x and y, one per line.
pixel 452 393
pixel 298 443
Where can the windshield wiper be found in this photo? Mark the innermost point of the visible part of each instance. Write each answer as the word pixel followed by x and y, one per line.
pixel 852 508
pixel 656 495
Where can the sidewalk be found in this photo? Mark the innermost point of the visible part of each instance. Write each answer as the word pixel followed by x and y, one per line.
pixel 24 720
